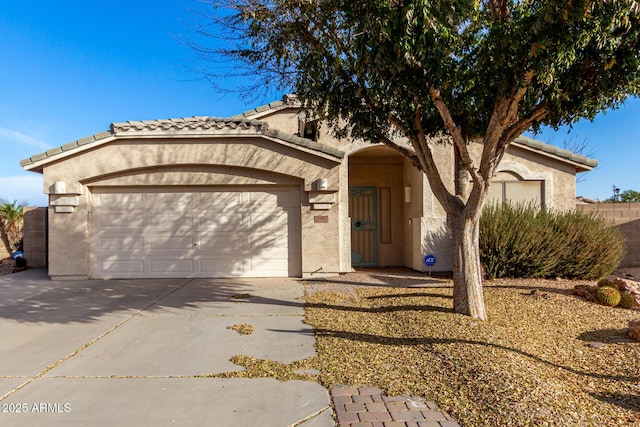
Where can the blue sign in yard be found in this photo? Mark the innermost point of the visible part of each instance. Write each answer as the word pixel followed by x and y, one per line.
pixel 430 260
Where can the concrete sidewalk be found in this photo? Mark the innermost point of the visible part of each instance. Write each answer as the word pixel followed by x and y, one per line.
pixel 132 352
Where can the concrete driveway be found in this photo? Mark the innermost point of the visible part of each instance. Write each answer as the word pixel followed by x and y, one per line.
pixel 132 352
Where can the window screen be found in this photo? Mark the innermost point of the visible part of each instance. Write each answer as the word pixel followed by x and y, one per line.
pixel 517 192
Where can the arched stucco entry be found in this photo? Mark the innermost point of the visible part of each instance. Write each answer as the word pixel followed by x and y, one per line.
pixel 380 203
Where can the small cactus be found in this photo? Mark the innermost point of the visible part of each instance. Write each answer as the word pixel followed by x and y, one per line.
pixel 609 296
pixel 626 300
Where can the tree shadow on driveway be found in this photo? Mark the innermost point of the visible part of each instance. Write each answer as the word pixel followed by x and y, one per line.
pixel 89 300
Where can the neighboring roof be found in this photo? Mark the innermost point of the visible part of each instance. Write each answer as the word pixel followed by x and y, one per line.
pixel 585 163
pixel 192 126
pixel 581 200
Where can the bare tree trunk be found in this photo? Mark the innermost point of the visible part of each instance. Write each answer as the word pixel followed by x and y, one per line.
pixel 468 296
pixel 461 176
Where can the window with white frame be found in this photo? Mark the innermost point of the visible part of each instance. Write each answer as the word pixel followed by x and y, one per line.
pixel 507 187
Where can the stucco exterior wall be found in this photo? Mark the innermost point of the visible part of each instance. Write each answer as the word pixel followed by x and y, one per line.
pixel 185 162
pixel 345 223
pixel 443 155
pixel 414 181
pixel 289 120
pixel 286 120
pixel 69 248
pixel 125 157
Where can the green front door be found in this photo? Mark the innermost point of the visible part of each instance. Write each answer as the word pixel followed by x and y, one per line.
pixel 363 210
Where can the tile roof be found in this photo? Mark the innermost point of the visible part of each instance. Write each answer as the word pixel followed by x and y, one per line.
pixel 188 123
pixel 246 124
pixel 559 152
pixel 208 126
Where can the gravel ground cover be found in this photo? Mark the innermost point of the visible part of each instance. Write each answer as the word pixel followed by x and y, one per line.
pixel 544 358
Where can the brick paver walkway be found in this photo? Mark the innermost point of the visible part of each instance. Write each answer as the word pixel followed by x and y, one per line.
pixel 359 406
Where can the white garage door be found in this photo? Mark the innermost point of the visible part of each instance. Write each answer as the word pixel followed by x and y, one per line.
pixel 234 232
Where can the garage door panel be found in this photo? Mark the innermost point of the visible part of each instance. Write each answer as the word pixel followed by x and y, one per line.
pixel 217 221
pixel 168 201
pixel 282 198
pixel 221 267
pixel 268 266
pixel 120 243
pixel 116 266
pixel 196 233
pixel 259 221
pixel 170 221
pixel 276 240
pixel 273 255
pixel 181 243
pixel 161 266
pixel 263 200
pixel 118 200
pixel 113 221
pixel 221 243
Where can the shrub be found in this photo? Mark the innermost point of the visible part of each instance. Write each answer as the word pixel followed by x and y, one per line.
pixel 526 241
pixel 514 242
pixel 593 247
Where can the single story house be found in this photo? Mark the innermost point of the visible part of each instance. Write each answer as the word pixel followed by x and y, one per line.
pixel 262 194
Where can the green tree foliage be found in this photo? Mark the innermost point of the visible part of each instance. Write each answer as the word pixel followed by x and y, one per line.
pixel 396 71
pixel 11 215
pixel 627 196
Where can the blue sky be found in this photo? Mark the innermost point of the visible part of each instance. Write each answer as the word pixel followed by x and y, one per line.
pixel 71 68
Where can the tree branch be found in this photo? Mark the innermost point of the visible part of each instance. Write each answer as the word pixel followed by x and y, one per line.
pixel 518 129
pixel 455 132
pixel 435 178
pixel 499 9
pixel 501 126
pixel 516 99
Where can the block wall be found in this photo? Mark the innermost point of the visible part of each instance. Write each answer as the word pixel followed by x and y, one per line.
pixel 626 217
pixel 35 236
